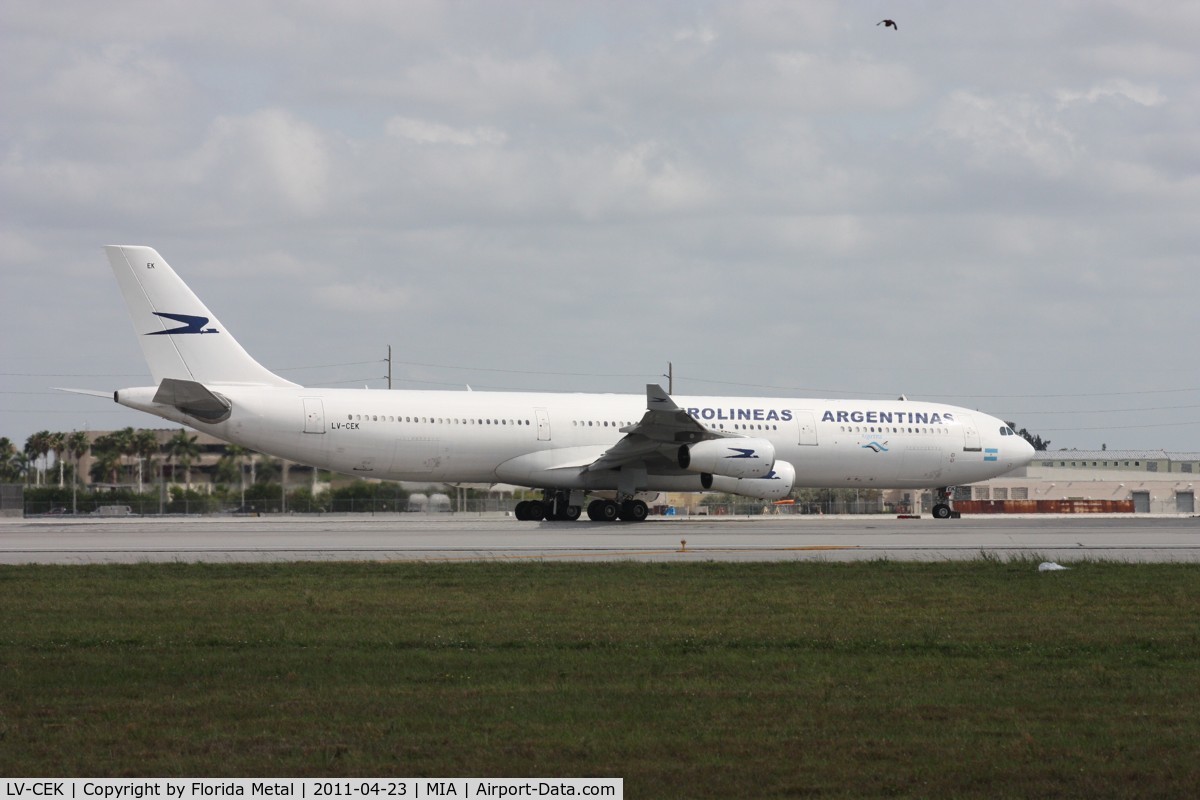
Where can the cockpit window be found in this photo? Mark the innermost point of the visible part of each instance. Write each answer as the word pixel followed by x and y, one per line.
pixel 1007 431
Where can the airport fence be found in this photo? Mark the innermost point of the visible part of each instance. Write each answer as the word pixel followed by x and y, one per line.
pixel 270 500
pixel 200 506
pixel 374 507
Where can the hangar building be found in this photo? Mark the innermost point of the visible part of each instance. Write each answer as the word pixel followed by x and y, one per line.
pixel 1153 481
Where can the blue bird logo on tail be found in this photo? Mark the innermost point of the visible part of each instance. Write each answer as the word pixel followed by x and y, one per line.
pixel 190 324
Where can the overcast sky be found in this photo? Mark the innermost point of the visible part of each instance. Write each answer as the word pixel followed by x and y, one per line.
pixel 996 205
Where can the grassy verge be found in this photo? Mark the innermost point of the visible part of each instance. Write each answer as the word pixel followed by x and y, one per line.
pixel 723 680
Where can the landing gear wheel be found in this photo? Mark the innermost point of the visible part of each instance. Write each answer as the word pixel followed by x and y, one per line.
pixel 634 511
pixel 557 506
pixel 941 511
pixel 535 511
pixel 602 511
pixel 521 512
pixel 564 514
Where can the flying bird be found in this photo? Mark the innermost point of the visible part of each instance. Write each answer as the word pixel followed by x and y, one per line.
pixel 887 23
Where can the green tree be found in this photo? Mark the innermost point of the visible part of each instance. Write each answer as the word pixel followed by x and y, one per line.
pixel 145 448
pixel 57 442
pixel 106 461
pixel 239 454
pixel 8 460
pixel 1037 441
pixel 228 470
pixel 269 470
pixel 7 450
pixel 37 447
pixel 20 466
pixel 183 451
pixel 363 496
pixel 75 446
pixel 123 443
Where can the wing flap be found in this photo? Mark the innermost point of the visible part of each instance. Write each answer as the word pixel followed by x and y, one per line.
pixel 658 434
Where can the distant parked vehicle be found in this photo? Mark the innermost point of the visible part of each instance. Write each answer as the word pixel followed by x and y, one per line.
pixel 114 511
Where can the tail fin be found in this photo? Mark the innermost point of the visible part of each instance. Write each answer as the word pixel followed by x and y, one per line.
pixel 180 337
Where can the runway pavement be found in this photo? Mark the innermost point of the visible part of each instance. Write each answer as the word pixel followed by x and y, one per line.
pixel 446 537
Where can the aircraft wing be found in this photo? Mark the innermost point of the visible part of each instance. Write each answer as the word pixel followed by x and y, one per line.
pixel 664 427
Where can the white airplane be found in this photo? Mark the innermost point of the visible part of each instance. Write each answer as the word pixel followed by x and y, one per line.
pixel 617 448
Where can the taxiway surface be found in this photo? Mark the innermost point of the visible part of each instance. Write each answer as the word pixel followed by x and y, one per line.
pixel 445 537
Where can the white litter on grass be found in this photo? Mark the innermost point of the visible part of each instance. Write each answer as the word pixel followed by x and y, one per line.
pixel 1050 566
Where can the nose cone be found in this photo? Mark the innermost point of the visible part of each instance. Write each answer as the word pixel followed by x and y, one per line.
pixel 1024 452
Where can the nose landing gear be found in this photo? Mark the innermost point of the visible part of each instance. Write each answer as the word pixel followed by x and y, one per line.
pixel 942 509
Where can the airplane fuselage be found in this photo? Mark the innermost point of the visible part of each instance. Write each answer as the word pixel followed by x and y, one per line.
pixel 540 440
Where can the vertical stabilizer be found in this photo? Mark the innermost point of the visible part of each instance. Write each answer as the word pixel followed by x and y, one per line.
pixel 180 337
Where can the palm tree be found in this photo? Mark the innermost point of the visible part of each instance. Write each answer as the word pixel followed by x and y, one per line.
pixel 30 453
pixel 145 446
pixel 7 451
pixel 102 447
pixel 58 443
pixel 183 450
pixel 235 452
pixel 37 447
pixel 106 459
pixel 269 470
pixel 227 469
pixel 19 465
pixel 76 445
pixel 124 445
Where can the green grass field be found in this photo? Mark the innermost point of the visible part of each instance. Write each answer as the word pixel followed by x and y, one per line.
pixel 979 678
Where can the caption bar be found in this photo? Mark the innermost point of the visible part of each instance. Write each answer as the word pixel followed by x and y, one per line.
pixel 309 788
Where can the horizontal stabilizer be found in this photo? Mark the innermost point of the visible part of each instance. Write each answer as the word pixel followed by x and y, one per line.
pixel 89 392
pixel 194 399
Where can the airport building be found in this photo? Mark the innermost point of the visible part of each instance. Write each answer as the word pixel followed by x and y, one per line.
pixel 200 471
pixel 1141 481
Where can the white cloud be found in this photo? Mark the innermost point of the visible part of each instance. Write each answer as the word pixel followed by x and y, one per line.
pixel 702 35
pixel 268 157
pixel 1003 132
pixel 1142 94
pixel 480 83
pixel 361 298
pixel 644 178
pixel 425 132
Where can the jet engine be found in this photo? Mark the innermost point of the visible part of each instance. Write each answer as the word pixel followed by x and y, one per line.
pixel 776 485
pixel 734 458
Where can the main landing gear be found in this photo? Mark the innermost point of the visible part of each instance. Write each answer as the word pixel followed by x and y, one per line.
pixel 556 506
pixel 942 509
pixel 609 510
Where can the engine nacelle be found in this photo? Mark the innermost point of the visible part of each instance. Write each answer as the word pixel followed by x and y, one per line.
pixel 776 485
pixel 733 458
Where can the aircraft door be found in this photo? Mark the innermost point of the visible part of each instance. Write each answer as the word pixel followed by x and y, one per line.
pixel 543 424
pixel 314 415
pixel 970 433
pixel 808 427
